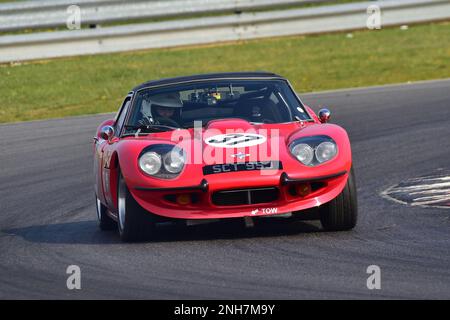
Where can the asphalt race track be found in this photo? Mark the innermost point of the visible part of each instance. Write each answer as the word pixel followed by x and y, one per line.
pixel 48 220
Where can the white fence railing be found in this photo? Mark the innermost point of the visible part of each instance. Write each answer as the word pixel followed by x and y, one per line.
pixel 53 13
pixel 216 29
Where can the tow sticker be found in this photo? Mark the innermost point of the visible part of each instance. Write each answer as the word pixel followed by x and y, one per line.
pixel 264 211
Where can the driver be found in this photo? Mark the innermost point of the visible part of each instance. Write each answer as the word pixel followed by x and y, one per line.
pixel 164 112
pixel 163 108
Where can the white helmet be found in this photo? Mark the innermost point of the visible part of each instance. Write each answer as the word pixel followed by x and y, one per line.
pixel 165 100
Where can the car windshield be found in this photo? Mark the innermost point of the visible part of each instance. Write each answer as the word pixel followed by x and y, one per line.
pixel 179 106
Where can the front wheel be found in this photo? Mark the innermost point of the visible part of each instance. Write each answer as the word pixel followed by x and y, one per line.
pixel 134 222
pixel 341 213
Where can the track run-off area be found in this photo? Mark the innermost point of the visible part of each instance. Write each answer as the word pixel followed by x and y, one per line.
pixel 398 133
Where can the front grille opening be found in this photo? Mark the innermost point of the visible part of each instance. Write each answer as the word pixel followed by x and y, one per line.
pixel 292 190
pixel 245 196
pixel 317 185
pixel 264 195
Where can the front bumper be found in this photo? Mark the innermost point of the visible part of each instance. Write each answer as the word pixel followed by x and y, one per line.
pixel 162 201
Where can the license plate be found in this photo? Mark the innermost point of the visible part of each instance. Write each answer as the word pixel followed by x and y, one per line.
pixel 242 166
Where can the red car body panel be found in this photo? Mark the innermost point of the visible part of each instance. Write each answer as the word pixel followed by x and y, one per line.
pixel 151 193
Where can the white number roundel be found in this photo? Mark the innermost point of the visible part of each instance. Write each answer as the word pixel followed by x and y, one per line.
pixel 235 140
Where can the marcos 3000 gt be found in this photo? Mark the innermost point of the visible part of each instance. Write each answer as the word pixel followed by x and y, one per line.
pixel 217 146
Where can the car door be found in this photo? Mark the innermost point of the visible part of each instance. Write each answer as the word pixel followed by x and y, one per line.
pixel 104 151
pixel 107 150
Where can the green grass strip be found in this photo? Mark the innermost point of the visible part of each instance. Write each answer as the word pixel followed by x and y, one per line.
pixel 95 84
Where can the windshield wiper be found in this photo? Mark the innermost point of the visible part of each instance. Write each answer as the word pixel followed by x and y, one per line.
pixel 146 129
pixel 151 127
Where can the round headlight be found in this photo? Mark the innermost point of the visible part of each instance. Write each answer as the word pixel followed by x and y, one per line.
pixel 174 162
pixel 304 153
pixel 325 151
pixel 150 163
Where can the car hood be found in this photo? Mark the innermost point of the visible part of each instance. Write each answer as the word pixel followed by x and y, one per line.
pixel 207 146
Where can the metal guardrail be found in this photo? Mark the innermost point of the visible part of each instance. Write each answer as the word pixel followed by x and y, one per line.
pixel 216 29
pixel 44 14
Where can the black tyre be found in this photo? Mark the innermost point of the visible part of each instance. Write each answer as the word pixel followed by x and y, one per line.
pixel 134 222
pixel 341 213
pixel 105 222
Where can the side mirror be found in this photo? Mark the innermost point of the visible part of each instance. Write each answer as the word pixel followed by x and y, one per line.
pixel 324 115
pixel 107 133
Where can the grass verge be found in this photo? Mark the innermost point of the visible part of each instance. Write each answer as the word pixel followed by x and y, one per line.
pixel 94 84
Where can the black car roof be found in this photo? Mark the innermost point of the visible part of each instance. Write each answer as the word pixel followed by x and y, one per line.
pixel 237 75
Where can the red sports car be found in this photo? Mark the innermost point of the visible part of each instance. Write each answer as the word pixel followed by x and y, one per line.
pixel 228 145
